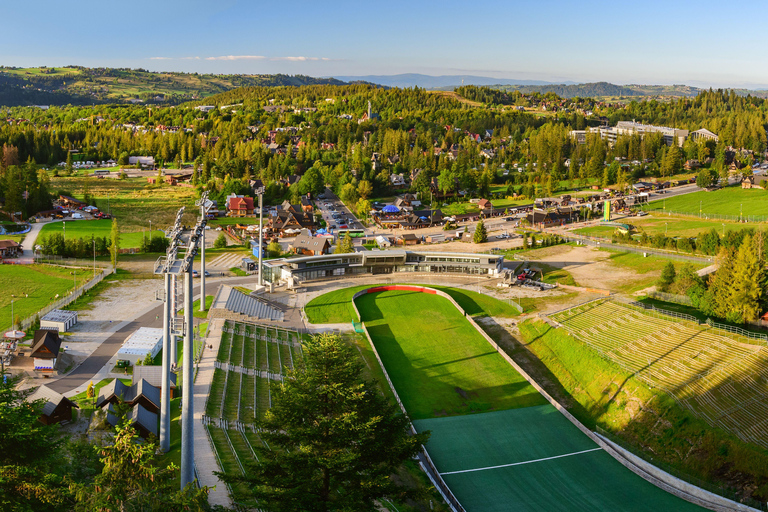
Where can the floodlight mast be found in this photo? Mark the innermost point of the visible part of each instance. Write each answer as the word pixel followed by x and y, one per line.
pixel 260 193
pixel 205 205
pixel 174 234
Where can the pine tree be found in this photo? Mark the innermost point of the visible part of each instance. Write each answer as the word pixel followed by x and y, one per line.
pixel 345 245
pixel 334 440
pixel 114 248
pixel 748 286
pixel 481 235
pixel 667 277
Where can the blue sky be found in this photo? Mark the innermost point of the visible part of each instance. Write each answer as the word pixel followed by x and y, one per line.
pixel 698 43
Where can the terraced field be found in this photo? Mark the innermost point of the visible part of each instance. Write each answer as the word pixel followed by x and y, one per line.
pixel 723 380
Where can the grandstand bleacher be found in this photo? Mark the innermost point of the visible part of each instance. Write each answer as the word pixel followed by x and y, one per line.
pixel 254 307
pixel 723 380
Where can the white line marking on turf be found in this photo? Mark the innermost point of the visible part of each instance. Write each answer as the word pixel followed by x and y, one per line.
pixel 520 463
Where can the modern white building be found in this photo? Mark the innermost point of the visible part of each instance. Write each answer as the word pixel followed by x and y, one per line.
pixel 59 320
pixel 143 341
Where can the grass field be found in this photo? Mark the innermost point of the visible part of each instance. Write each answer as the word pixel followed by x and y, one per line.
pixel 519 439
pixel 32 287
pixel 676 225
pixel 336 306
pixel 726 201
pixel 439 364
pixel 134 202
pixel 649 267
pixel 99 228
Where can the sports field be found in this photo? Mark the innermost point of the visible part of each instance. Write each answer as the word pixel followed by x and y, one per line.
pixel 32 287
pixel 533 459
pixel 726 201
pixel 498 444
pixel 440 365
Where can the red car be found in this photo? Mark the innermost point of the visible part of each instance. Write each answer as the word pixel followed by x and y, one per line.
pixel 343 226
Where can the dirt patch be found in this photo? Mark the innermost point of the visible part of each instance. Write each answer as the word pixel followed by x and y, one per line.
pixel 589 266
pixel 463 394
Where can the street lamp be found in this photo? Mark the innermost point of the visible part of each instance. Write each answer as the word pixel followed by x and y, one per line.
pixel 64 228
pixel 723 229
pixel 94 256
pixel 665 229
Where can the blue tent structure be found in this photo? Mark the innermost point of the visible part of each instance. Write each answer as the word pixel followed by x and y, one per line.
pixel 390 208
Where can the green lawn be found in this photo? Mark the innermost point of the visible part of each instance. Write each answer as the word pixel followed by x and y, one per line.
pixel 336 306
pixel 675 225
pixel 726 201
pixel 597 231
pixel 32 287
pixel 196 307
pixel 650 267
pixel 99 228
pixel 439 364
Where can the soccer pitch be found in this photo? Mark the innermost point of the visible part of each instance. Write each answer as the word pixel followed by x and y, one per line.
pixel 439 364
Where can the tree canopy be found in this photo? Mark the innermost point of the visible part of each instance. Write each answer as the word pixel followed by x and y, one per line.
pixel 333 439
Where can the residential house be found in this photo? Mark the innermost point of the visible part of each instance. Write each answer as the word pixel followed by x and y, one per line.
pixel 406 201
pixel 10 249
pixel 239 206
pixel 306 204
pixel 407 239
pixel 56 408
pixel 309 245
pixel 397 181
pixel 755 181
pixel 485 205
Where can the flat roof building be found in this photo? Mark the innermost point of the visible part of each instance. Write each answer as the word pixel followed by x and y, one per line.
pixel 307 268
pixel 143 341
pixel 59 320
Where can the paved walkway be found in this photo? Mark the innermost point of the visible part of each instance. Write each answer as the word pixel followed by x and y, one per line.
pixel 205 459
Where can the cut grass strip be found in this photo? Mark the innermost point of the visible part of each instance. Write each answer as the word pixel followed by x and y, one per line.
pixel 232 397
pixel 216 395
pixel 248 399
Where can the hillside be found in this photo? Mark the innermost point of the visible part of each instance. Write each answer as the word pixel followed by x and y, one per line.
pixel 81 86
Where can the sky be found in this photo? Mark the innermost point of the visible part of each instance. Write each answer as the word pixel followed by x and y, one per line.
pixel 702 43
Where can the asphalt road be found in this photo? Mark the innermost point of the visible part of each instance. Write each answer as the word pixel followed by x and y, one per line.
pixel 101 356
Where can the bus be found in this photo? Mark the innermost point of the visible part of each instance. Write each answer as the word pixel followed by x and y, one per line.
pixel 354 233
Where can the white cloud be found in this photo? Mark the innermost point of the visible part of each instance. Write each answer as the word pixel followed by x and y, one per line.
pixel 237 57
pixel 159 58
pixel 299 59
pixel 190 58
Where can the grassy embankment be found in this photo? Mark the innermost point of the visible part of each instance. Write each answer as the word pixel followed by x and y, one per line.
pixel 600 393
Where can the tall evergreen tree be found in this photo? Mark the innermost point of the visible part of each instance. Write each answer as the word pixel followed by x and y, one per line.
pixel 334 439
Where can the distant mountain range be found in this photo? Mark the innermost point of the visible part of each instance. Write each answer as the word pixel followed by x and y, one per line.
pixel 77 85
pixel 438 82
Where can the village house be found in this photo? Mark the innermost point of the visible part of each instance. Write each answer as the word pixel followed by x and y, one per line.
pixel 755 181
pixel 10 249
pixel 239 206
pixel 56 408
pixel 308 245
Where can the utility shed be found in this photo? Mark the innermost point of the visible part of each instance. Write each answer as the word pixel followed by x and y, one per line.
pixel 143 341
pixel 57 407
pixel 59 320
pixel 144 421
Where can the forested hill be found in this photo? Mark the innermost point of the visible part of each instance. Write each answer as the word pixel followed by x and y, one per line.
pixel 77 85
pixel 601 89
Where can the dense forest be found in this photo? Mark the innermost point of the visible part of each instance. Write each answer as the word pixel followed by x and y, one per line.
pixel 436 141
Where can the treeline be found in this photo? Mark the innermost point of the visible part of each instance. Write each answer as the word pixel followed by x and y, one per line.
pixel 708 243
pixel 737 291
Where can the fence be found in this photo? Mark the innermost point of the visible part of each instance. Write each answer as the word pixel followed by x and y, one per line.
pixel 738 331
pixel 670 297
pixel 709 216
pixel 724 491
pixel 639 250
pixel 74 262
pixel 514 304
pixel 665 312
pixel 77 292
